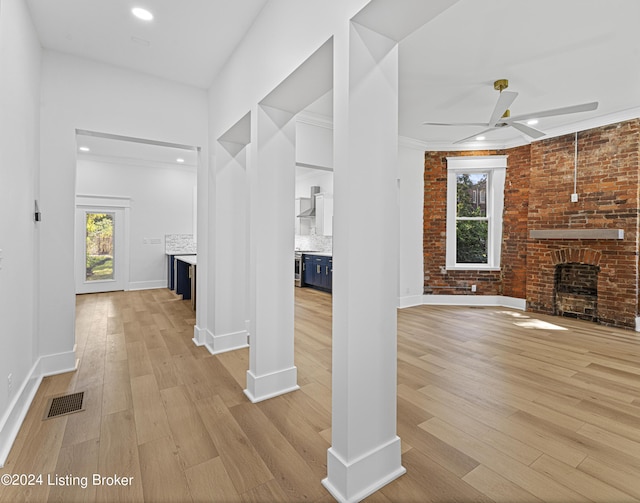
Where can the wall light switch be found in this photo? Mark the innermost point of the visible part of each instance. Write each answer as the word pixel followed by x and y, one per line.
pixel 574 198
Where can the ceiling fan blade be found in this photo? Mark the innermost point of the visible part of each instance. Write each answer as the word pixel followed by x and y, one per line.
pixel 473 136
pixel 528 130
pixel 584 107
pixel 454 124
pixel 504 102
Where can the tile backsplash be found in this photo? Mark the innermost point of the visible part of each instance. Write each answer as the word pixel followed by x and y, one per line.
pixel 177 244
pixel 314 242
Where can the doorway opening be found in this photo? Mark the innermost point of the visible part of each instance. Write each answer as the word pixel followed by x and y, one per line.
pixel 101 244
pixel 152 187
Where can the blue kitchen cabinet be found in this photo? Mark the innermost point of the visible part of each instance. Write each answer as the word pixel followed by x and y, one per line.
pixel 318 272
pixel 171 273
pixel 309 271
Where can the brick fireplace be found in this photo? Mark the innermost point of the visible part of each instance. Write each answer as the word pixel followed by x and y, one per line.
pixel 598 234
pixel 576 290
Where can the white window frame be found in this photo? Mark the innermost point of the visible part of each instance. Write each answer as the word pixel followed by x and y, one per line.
pixel 496 167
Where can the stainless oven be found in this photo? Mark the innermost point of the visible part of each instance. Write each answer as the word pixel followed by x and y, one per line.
pixel 299 264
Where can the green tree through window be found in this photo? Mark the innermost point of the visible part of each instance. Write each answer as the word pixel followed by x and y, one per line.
pixel 99 250
pixel 472 224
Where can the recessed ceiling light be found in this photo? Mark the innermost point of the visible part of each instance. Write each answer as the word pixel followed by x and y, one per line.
pixel 141 13
pixel 531 122
pixel 180 160
pixel 84 149
pixel 480 138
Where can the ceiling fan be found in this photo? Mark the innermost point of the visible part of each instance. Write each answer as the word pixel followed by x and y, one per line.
pixel 501 116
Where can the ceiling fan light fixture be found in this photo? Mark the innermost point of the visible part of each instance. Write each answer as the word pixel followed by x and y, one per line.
pixel 501 116
pixel 141 13
pixel 501 84
pixel 532 122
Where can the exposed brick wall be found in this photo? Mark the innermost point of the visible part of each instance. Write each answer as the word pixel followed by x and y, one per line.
pixel 538 187
pixel 436 279
pixel 607 184
pixel 514 224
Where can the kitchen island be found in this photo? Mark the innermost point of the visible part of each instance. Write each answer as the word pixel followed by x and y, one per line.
pixel 185 277
pixel 177 244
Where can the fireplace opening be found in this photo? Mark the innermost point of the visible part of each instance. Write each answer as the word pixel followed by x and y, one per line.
pixel 576 291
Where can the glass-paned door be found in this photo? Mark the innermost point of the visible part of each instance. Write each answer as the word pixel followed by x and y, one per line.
pixel 99 237
pixel 99 250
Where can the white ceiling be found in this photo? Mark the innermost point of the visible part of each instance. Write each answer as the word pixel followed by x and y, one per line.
pixel 133 150
pixel 188 41
pixel 554 54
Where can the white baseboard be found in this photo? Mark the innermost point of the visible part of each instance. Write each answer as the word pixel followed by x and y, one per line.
pixel 226 342
pixel 474 300
pixel 267 386
pixel 58 363
pixel 147 285
pixel 410 301
pixel 12 420
pixel 349 482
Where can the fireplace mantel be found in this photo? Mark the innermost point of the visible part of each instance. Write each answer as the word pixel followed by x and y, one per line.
pixel 577 234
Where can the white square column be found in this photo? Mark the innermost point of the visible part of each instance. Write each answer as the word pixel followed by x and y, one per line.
pixel 229 251
pixel 365 450
pixel 271 171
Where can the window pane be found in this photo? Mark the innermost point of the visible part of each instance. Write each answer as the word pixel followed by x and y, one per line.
pixel 99 250
pixel 468 202
pixel 471 241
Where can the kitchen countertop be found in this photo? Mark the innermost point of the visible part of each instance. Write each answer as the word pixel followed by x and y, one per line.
pixel 319 253
pixel 189 259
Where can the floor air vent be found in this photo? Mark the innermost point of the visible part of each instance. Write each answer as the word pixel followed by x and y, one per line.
pixel 65 404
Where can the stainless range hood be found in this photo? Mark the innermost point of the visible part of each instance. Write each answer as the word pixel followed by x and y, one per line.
pixel 311 212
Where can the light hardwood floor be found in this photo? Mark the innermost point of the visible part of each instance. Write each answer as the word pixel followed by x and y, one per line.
pixel 493 405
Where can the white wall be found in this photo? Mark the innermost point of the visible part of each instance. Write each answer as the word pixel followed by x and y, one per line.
pixel 20 56
pixel 411 272
pixel 322 179
pixel 161 203
pixel 81 94
pixel 267 55
pixel 314 144
pixel 314 147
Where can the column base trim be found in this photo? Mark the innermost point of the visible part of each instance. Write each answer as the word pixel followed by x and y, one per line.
pixel 350 482
pixel 217 344
pixel 267 386
pixel 199 336
pixel 58 363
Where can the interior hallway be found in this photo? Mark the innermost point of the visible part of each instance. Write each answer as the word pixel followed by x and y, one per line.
pixel 493 405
